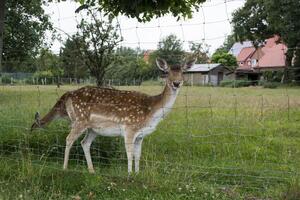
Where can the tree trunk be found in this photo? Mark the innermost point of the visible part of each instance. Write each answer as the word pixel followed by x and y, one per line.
pixel 2 14
pixel 98 73
pixel 296 67
pixel 99 82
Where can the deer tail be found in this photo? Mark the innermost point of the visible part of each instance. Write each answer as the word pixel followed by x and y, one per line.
pixel 58 110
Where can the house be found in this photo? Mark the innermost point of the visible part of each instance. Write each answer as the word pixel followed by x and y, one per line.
pixel 207 74
pixel 269 56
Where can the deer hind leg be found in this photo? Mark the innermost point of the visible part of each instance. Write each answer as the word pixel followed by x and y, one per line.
pixel 129 146
pixel 86 145
pixel 137 152
pixel 76 131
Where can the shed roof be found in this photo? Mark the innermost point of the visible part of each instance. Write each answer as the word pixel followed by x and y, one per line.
pixel 203 67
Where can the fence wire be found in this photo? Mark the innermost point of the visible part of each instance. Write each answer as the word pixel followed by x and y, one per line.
pixel 228 136
pixel 245 137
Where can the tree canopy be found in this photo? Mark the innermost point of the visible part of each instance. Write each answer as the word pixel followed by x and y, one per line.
pixel 199 51
pixel 145 10
pixel 99 38
pixel 129 65
pixel 227 44
pixel 24 32
pixel 72 58
pixel 170 48
pixel 225 58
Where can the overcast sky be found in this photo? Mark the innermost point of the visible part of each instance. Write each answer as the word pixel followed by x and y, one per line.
pixel 210 24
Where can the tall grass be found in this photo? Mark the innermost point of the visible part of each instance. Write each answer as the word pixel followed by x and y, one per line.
pixel 217 143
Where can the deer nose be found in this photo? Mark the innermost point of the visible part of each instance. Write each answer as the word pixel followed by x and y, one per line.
pixel 176 84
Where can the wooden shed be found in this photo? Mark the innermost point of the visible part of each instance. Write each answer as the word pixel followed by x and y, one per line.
pixel 207 74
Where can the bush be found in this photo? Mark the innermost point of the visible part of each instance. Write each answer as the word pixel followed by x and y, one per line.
pixel 226 83
pixel 43 74
pixel 7 80
pixel 236 83
pixel 271 85
pixel 43 77
pixel 29 81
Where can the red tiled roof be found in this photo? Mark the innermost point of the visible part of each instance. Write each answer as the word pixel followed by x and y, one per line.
pixel 273 57
pixel 245 53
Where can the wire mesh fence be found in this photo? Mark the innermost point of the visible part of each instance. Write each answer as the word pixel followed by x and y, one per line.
pixel 233 137
pixel 243 135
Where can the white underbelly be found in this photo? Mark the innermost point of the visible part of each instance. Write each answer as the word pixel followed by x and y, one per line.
pixel 110 132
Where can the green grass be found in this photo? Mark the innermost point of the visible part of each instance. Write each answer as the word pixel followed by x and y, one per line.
pixel 217 143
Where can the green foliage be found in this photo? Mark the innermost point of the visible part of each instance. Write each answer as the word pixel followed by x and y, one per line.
pixel 235 83
pixel 170 48
pixel 100 37
pixel 199 51
pixel 249 149
pixel 228 43
pixel 128 66
pixel 145 10
pixel 296 67
pixel 225 59
pixel 72 58
pixel 292 191
pixel 271 85
pixel 24 33
pixel 260 19
pixel 273 76
pixel 48 61
pixel 43 74
pixel 5 80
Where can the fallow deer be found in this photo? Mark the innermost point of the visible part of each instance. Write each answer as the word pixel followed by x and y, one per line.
pixel 112 112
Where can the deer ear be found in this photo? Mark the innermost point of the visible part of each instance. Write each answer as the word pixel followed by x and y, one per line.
pixel 162 64
pixel 187 65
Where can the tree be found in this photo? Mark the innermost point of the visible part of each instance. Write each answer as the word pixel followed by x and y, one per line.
pixel 228 43
pixel 225 59
pixel 170 48
pixel 145 10
pixel 47 61
pixel 24 32
pixel 199 51
pixel 128 65
pixel 99 38
pixel 260 19
pixel 72 58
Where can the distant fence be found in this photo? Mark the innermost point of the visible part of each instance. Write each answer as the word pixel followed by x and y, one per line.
pixel 16 75
pixel 29 79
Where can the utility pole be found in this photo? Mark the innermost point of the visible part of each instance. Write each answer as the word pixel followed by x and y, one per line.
pixel 2 14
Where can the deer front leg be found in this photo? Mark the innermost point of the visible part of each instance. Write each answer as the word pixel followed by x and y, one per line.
pixel 76 131
pixel 129 146
pixel 86 146
pixel 137 152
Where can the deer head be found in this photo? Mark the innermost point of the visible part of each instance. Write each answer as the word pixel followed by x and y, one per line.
pixel 174 79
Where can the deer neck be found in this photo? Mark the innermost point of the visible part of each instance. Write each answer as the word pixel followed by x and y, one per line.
pixel 164 102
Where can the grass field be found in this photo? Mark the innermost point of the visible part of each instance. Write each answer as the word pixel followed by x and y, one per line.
pixel 217 143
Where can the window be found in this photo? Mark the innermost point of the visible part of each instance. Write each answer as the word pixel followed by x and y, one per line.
pixel 253 62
